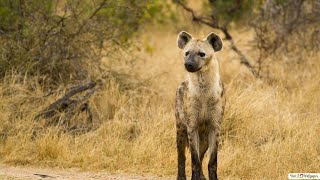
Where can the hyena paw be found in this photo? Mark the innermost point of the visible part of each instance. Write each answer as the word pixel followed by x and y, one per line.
pixel 196 176
pixel 181 178
pixel 202 177
pixel 213 176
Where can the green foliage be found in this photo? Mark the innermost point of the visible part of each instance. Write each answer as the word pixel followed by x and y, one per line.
pixel 227 11
pixel 13 11
pixel 6 15
pixel 281 2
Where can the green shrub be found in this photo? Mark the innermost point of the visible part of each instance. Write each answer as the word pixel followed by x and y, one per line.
pixel 61 40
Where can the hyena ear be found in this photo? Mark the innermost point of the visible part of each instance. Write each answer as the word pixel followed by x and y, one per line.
pixel 183 39
pixel 215 41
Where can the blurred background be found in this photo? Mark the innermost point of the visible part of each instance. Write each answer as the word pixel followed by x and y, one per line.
pixel 90 84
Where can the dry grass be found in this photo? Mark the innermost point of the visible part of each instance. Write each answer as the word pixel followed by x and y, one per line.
pixel 270 128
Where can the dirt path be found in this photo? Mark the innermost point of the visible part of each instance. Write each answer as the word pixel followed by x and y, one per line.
pixel 17 173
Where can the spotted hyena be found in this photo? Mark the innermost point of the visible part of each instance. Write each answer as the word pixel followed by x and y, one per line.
pixel 199 104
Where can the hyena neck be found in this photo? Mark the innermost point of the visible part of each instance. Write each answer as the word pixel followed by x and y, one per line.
pixel 207 79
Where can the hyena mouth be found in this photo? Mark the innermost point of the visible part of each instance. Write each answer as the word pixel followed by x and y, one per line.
pixel 193 69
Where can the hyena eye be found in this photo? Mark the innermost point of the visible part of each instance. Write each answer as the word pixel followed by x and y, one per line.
pixel 187 53
pixel 201 54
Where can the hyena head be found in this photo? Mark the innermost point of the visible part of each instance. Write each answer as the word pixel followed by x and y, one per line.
pixel 198 53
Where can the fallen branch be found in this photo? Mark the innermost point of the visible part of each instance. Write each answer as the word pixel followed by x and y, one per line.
pixel 211 23
pixel 68 106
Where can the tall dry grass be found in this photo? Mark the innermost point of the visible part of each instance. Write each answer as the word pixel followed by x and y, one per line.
pixel 271 127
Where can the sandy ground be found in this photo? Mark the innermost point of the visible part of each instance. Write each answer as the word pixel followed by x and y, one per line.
pixel 17 173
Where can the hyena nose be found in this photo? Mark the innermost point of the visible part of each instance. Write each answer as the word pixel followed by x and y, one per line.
pixel 190 66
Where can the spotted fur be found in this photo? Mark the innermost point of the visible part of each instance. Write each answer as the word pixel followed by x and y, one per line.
pixel 199 107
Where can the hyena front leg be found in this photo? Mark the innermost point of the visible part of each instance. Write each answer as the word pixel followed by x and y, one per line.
pixel 213 152
pixel 193 137
pixel 182 142
pixel 203 148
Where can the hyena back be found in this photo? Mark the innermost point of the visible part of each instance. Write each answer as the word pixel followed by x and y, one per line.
pixel 199 104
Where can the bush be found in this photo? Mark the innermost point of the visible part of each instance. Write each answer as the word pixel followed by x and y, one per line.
pixel 62 41
pixel 289 27
pixel 226 12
